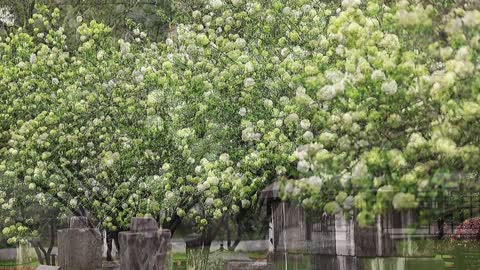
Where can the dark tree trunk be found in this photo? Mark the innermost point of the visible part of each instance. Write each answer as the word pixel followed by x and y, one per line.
pixel 38 252
pixel 48 254
pixel 198 249
pixel 232 246
pixel 44 256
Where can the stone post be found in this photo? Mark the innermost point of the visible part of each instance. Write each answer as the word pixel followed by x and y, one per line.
pixel 145 247
pixel 80 247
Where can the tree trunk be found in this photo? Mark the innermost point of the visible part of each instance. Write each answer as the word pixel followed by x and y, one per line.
pixel 229 236
pixel 45 254
pixel 38 252
pixel 48 254
pixel 198 249
pixel 232 247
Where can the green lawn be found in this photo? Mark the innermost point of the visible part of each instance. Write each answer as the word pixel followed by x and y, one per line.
pixel 14 263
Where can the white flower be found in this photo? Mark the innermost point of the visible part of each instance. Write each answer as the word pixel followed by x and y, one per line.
pixel 6 16
pixel 462 53
pixel 166 166
pixel 348 203
pixel 308 135
pixel 209 201
pixel 249 134
pixel 216 4
pixel 100 55
pixel 13 151
pixel 110 158
pixel 404 201
pixel 280 170
pixel 137 76
pixel 359 171
pixel 378 75
pixel 279 123
pixel 224 157
pixel 249 67
pixel 169 195
pixel 339 87
pixel 333 75
pixel 241 43
pixel 454 26
pixel 347 118
pixel 305 124
pixel 292 118
pixel 33 58
pixel 196 14
pixel 301 153
pixel 416 140
pixel 169 42
pixel 55 81
pixel 340 50
pixel 445 146
pixel 248 82
pixel 446 52
pixel 303 166
pixel 268 103
pixel 327 92
pixel 390 87
pixel 390 41
pixel 314 181
pixel 212 180
pixel 6 206
pixel 245 203
pixel 351 3
pixel 471 18
pixel 242 111
pixel 124 48
pixel 236 2
pixel 73 202
pixel 79 19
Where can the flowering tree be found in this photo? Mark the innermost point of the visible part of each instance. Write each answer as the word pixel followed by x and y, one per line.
pixel 361 106
pixel 154 17
pixel 373 103
pixel 25 220
pixel 399 109
pixel 75 129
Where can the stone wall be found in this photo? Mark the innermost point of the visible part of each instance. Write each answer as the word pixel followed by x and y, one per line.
pixel 79 247
pixel 145 247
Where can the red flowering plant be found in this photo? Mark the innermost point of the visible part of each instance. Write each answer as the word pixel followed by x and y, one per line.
pixel 468 230
pixel 467 234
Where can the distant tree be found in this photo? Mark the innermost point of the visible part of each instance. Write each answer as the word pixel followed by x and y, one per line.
pixel 75 125
pixel 152 16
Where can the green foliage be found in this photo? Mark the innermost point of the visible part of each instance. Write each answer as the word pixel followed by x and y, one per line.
pixel 75 122
pixel 152 16
pixel 361 106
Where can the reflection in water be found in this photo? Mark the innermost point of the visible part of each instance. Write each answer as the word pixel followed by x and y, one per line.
pixel 331 262
pixel 406 240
